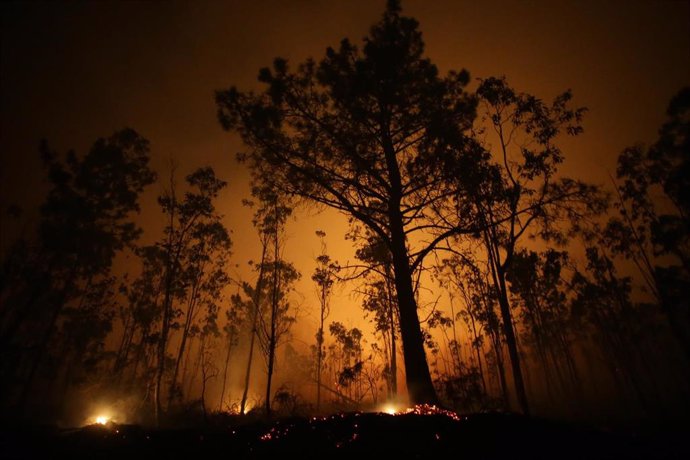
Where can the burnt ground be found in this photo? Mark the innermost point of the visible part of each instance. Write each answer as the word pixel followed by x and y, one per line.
pixel 354 435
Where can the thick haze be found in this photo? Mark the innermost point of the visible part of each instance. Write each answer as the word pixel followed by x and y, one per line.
pixel 71 72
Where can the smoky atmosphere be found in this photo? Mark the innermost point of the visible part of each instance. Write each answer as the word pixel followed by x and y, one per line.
pixel 334 228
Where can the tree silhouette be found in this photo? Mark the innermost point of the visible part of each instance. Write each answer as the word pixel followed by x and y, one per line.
pixel 365 132
pixel 324 278
pixel 192 223
pixel 268 304
pixel 522 196
pixel 85 219
pixel 653 229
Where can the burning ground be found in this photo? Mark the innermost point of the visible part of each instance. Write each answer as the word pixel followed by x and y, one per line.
pixel 422 432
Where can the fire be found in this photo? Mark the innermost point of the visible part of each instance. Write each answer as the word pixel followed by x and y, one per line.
pixel 102 419
pixel 419 409
pixel 389 409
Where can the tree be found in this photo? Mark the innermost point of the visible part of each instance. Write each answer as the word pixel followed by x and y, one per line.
pixel 653 229
pixel 85 220
pixel 139 314
pixel 348 360
pixel 204 277
pixel 234 320
pixel 275 319
pixel 522 194
pixel 324 277
pixel 268 299
pixel 537 285
pixel 187 217
pixel 365 132
pixel 603 306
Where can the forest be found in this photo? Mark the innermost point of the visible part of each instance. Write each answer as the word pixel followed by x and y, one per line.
pixel 483 277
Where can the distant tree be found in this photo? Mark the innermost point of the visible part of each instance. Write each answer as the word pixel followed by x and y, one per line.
pixel 473 284
pixel 348 355
pixel 653 229
pixel 139 314
pixel 235 317
pixel 252 306
pixel 537 285
pixel 620 327
pixel 366 132
pixel 85 220
pixel 324 278
pixel 188 218
pixel 204 277
pixel 207 362
pixel 268 301
pixel 276 318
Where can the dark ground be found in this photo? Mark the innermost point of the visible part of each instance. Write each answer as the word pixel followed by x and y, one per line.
pixel 355 435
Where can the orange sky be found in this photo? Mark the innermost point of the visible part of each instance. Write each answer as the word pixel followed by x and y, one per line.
pixel 71 72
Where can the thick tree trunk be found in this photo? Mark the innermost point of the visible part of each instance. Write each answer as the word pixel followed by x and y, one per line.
pixel 420 388
pixel 417 376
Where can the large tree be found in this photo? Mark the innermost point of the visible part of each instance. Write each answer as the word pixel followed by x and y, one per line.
pixel 366 131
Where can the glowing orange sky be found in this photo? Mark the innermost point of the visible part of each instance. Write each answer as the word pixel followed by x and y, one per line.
pixel 71 72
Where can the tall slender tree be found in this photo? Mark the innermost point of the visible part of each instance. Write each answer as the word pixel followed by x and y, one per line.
pixel 185 218
pixel 324 277
pixel 522 196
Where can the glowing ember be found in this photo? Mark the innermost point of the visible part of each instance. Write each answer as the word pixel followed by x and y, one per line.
pixel 419 409
pixel 389 409
pixel 102 419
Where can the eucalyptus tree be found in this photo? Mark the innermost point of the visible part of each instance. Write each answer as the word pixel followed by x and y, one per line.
pixel 268 300
pixel 204 276
pixel 324 277
pixel 522 194
pixel 188 217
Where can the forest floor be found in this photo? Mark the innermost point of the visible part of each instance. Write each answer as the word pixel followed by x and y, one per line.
pixel 351 435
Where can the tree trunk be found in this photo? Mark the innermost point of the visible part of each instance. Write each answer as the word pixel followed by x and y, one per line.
pixel 255 312
pixel 231 338
pixel 271 361
pixel 274 318
pixel 319 359
pixel 417 376
pixel 512 343
pixel 391 319
pixel 420 388
pixel 183 342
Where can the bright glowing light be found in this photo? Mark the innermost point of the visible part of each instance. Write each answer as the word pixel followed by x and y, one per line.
pixel 102 419
pixel 389 409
